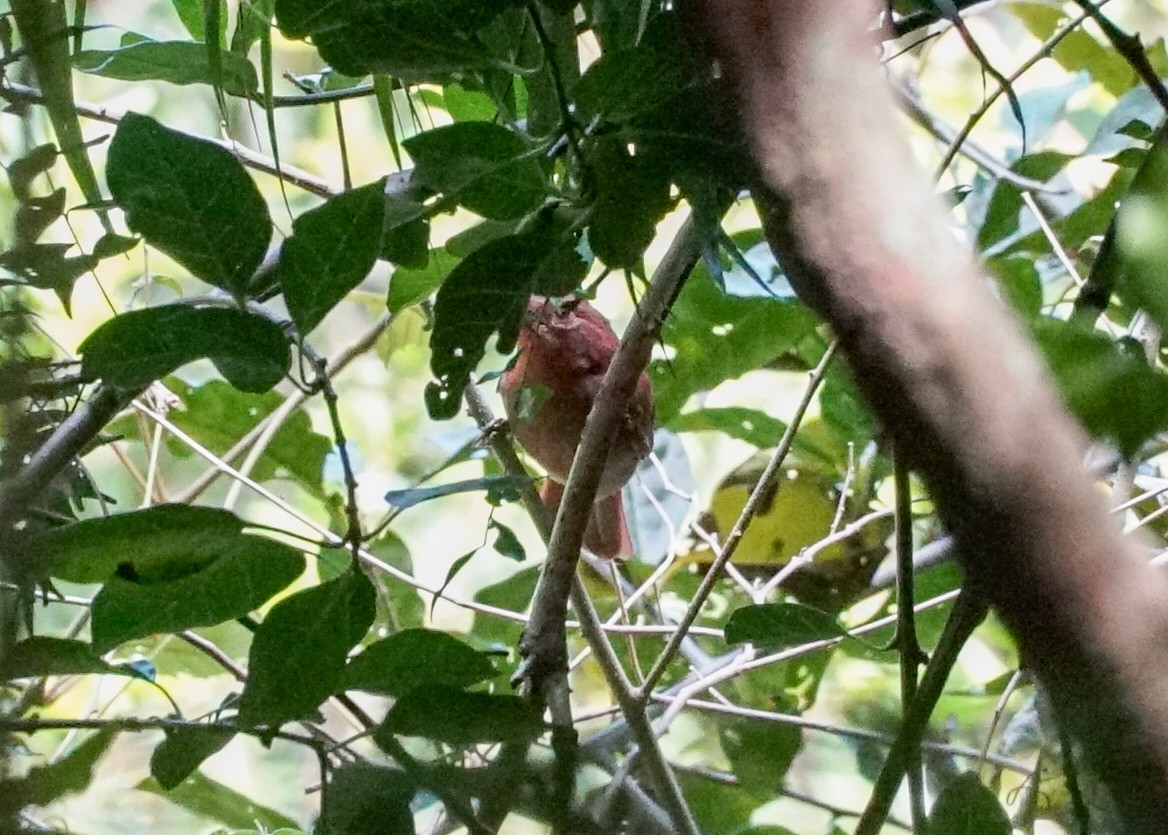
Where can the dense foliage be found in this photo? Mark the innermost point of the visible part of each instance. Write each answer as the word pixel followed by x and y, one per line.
pixel 284 588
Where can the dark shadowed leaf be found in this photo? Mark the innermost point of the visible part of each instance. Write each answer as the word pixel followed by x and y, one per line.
pixel 41 655
pixel 183 750
pixel 487 168
pixel 411 41
pixel 366 799
pixel 454 716
pixel 632 196
pixel 966 807
pixel 68 775
pixel 191 199
pixel 777 626
pixel 485 294
pixel 759 753
pixel 136 348
pixel 298 656
pixel 391 665
pixel 332 248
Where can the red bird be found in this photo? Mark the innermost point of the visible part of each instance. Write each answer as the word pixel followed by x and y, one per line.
pixel 564 351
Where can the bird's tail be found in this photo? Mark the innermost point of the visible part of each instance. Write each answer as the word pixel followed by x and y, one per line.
pixel 607 534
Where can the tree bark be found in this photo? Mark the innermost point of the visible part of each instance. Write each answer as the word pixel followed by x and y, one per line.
pixel 953 379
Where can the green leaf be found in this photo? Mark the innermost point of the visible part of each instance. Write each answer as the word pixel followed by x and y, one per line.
pixel 390 666
pixel 1019 283
pixel 402 601
pixel 217 415
pixel 171 592
pixel 46 267
pixel 44 29
pixel 402 499
pixel 1003 212
pixel 366 799
pixel 778 626
pixel 1142 229
pixel 207 798
pixel 179 62
pixel 456 717
pixel 68 775
pixel 191 199
pixel 40 655
pixel 487 168
pixel 90 551
pixel 410 41
pixel 485 294
pixel 332 249
pixel 966 807
pixel 184 749
pixel 750 425
pixel 507 543
pixel 632 195
pixel 1109 387
pixel 298 656
pixel 192 15
pixel 759 753
pixel 134 349
pixel 408 286
pixel 715 337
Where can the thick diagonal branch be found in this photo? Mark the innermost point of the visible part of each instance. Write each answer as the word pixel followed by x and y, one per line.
pixel 952 377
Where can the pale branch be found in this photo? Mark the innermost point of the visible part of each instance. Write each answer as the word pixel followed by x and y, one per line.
pixel 953 379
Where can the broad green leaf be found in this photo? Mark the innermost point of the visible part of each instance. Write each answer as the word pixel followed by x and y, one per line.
pixel 1019 284
pixel 750 425
pixel 217 415
pixel 1003 212
pixel 1109 387
pixel 507 543
pixel 191 199
pixel 41 655
pixel 179 62
pixel 90 551
pixel 208 798
pixel 487 168
pixel 332 249
pixel 191 13
pixel 408 286
pixel 184 749
pixel 778 626
pixel 719 809
pixel 136 348
pixel 390 666
pixel 298 656
pixel 1142 232
pixel 714 337
pixel 68 775
pixel 966 807
pixel 410 41
pixel 454 716
pixel 403 603
pixel 513 594
pixel 759 753
pixel 402 499
pixel 169 594
pixel 632 195
pixel 367 799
